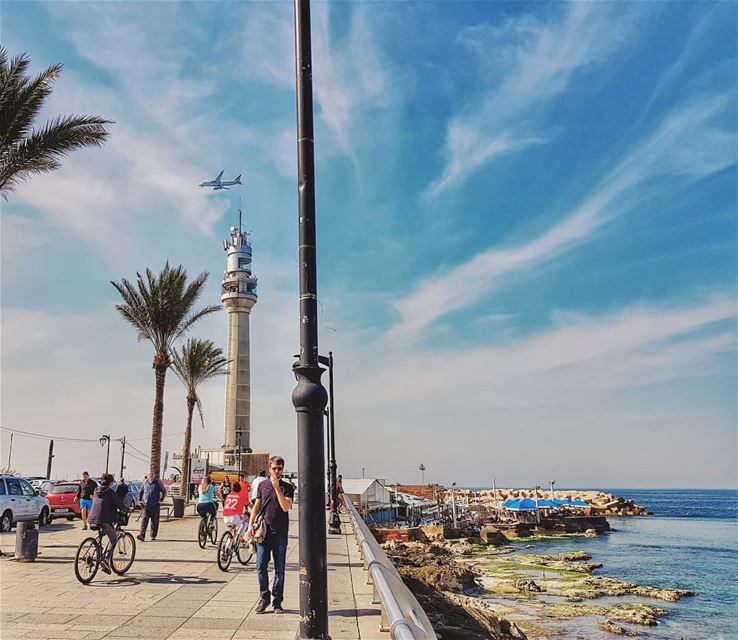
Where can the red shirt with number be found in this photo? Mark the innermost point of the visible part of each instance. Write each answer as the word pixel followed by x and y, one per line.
pixel 235 503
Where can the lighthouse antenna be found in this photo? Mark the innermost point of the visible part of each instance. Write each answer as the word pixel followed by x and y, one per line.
pixel 239 214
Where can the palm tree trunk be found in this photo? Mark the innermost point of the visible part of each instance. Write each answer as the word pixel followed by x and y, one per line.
pixel 160 369
pixel 184 485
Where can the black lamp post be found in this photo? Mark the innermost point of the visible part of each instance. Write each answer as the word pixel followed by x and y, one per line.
pixel 103 440
pixel 335 522
pixel 309 396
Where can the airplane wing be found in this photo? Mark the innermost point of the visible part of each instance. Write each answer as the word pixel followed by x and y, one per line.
pixel 220 175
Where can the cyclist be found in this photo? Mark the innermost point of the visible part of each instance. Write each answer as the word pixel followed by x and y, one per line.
pixel 206 505
pixel 234 507
pixel 106 507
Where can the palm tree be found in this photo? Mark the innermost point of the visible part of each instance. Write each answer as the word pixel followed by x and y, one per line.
pixel 199 361
pixel 161 310
pixel 24 149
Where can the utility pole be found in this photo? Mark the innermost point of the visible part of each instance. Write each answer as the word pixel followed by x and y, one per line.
pixel 422 473
pixel 553 482
pixel 10 451
pixel 122 457
pixel 309 396
pixel 362 472
pixel 48 461
pixel 494 490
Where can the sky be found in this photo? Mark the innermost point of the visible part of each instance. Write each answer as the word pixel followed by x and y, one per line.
pixel 527 233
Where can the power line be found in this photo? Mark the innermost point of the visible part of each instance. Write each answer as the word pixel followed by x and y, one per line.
pixel 30 434
pixel 138 450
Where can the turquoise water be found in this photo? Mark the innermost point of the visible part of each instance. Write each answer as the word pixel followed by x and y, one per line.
pixel 691 542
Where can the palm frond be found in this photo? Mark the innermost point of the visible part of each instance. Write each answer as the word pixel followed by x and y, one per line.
pixel 198 361
pixel 24 149
pixel 40 152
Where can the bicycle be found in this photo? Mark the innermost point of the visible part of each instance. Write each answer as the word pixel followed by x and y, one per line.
pixel 91 552
pixel 232 543
pixel 208 529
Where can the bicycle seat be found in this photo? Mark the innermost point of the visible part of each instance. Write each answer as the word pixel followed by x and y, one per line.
pixel 94 527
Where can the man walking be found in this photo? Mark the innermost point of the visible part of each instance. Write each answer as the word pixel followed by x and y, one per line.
pixel 85 491
pixel 274 500
pixel 255 485
pixel 151 494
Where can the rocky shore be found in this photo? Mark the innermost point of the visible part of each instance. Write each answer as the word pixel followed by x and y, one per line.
pixel 472 591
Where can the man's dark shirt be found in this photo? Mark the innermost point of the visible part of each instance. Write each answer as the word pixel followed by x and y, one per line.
pixel 277 520
pixel 86 491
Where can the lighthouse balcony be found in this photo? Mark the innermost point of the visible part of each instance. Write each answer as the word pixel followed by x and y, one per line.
pixel 233 287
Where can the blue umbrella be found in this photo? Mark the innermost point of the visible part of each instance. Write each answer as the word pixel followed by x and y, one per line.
pixel 520 505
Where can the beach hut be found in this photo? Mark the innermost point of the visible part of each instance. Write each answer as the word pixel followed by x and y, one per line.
pixel 369 493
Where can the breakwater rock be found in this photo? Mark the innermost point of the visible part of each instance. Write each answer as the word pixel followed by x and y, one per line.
pixel 446 590
pixel 599 502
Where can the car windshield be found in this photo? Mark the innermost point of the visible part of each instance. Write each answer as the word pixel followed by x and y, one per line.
pixel 63 488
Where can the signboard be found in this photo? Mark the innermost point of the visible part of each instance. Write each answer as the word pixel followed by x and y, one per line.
pixel 198 469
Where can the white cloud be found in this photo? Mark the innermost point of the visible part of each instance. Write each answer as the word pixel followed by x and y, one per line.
pixel 541 60
pixel 350 77
pixel 688 144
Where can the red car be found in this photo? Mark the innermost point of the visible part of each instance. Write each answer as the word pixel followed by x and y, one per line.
pixel 62 502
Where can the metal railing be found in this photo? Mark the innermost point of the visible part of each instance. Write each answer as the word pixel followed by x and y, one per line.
pixel 402 616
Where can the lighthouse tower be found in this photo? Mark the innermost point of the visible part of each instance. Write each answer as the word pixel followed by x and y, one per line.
pixel 238 294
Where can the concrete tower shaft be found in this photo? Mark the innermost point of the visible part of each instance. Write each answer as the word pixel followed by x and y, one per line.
pixel 238 294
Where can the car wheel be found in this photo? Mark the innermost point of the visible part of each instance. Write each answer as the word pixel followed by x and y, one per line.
pixel 6 522
pixel 43 517
pixel 70 518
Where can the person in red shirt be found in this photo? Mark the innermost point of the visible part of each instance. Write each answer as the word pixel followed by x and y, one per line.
pixel 234 507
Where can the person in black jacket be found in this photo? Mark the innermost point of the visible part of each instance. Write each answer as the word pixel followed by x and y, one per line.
pixel 106 507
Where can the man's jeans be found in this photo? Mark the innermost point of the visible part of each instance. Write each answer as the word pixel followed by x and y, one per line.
pixel 276 546
pixel 151 513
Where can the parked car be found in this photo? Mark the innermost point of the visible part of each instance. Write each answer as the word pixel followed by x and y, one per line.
pixel 133 490
pixel 19 500
pixel 45 485
pixel 61 500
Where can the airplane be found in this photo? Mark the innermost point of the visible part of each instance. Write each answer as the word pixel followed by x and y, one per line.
pixel 219 184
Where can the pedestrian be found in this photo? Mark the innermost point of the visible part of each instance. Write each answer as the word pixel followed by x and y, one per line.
pixel 245 487
pixel 274 500
pixel 85 491
pixel 107 508
pixel 255 485
pixel 339 490
pixel 225 487
pixel 151 494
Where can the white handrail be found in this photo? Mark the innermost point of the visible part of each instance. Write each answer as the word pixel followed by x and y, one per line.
pixel 402 614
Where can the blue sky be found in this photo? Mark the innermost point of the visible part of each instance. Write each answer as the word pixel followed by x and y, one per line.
pixel 526 228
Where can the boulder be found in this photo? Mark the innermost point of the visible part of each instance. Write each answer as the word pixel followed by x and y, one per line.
pixel 528 585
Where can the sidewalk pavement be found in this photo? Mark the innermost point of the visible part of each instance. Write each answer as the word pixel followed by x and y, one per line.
pixel 174 590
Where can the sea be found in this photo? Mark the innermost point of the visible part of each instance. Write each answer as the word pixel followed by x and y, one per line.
pixel 690 542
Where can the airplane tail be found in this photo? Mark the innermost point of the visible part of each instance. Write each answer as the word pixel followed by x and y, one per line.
pixel 238 179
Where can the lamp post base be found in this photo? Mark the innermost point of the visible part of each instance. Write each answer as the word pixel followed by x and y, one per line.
pixel 334 525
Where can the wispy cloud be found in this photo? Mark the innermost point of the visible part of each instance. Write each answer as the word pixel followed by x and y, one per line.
pixel 689 143
pixel 541 59
pixel 350 77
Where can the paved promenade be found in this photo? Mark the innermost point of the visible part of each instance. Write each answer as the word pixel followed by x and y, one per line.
pixel 173 590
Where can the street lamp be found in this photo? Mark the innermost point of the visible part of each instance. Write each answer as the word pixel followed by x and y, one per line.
pixel 335 522
pixel 309 396
pixel 422 473
pixel 103 440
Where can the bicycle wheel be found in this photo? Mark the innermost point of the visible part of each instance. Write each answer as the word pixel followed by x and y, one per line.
pixel 124 553
pixel 87 560
pixel 214 531
pixel 202 533
pixel 225 551
pixel 245 551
